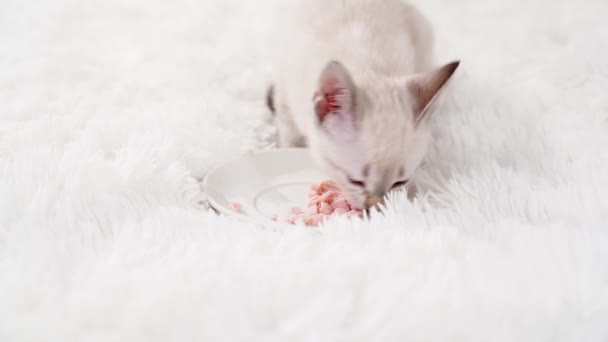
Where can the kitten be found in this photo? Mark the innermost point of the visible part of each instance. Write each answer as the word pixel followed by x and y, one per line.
pixel 354 80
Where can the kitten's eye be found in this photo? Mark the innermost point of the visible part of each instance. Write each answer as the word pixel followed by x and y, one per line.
pixel 400 184
pixel 356 182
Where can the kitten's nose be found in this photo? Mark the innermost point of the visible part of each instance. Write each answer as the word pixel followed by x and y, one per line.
pixel 374 200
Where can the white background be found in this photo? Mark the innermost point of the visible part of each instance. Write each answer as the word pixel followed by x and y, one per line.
pixel 112 111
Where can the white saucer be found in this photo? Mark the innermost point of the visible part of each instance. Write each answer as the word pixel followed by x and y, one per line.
pixel 264 183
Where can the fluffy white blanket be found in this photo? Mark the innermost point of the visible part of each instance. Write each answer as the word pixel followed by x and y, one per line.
pixel 112 111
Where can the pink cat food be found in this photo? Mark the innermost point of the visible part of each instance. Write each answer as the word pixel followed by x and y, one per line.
pixel 324 200
pixel 236 207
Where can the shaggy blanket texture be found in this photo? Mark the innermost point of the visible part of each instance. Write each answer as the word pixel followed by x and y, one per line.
pixel 113 111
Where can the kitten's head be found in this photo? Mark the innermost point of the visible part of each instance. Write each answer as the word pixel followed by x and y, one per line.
pixel 370 139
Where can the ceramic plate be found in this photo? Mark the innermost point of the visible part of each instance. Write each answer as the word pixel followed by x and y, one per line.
pixel 264 183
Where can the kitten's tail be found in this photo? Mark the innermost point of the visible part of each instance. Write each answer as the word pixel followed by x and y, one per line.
pixel 270 99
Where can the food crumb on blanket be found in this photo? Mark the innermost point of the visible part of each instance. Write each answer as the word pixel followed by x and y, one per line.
pixel 236 207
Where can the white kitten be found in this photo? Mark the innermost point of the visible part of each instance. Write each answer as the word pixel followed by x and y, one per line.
pixel 353 81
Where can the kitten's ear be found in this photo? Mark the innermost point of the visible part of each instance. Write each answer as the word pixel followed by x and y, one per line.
pixel 425 88
pixel 335 100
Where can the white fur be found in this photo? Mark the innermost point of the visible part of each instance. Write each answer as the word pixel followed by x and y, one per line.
pixel 111 110
pixel 383 47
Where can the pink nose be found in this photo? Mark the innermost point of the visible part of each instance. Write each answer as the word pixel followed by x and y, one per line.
pixel 372 201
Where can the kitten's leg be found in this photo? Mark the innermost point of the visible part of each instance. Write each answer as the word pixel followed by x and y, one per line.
pixel 270 99
pixel 289 136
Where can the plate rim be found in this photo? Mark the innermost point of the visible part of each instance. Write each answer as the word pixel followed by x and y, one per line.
pixel 229 213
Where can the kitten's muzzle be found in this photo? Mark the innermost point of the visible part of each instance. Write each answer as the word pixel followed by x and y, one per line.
pixel 373 200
